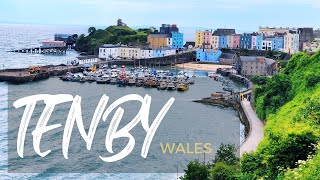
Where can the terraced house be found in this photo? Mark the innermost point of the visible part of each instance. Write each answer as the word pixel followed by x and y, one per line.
pixel 158 40
pixel 203 39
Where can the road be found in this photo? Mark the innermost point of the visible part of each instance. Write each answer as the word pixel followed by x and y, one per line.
pixel 256 133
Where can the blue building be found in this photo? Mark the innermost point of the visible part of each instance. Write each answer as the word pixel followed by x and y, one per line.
pixel 160 52
pixel 208 55
pixel 246 41
pixel 177 40
pixel 259 39
pixel 223 42
pixel 277 43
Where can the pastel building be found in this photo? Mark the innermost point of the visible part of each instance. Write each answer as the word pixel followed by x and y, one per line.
pixel 277 43
pixel 109 52
pixel 52 44
pixel 158 40
pixel 291 43
pixel 223 42
pixel 162 52
pixel 235 41
pixel 215 42
pixel 246 41
pixel 129 52
pixel 146 53
pixel 259 39
pixel 177 40
pixel 229 41
pixel 203 39
pixel 208 55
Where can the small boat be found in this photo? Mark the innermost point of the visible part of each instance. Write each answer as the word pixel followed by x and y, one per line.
pixel 91 79
pixel 132 81
pixel 102 81
pixel 150 83
pixel 182 87
pixel 163 85
pixel 212 75
pixel 82 80
pixel 171 86
pixel 139 83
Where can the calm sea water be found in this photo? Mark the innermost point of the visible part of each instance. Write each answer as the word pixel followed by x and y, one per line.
pixel 207 121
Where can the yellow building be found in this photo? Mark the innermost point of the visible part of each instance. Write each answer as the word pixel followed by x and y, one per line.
pixel 158 40
pixel 203 39
pixel 130 52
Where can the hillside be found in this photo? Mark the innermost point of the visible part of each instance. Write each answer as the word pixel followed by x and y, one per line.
pixel 110 35
pixel 290 105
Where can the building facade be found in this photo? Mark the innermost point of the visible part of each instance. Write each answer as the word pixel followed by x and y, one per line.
pixel 158 40
pixel 177 40
pixel 235 41
pixel 305 36
pixel 259 39
pixel 291 43
pixel 203 39
pixel 251 66
pixel 208 55
pixel 267 44
pixel 146 53
pixel 277 43
pixel 246 41
pixel 223 42
pixel 109 52
pixel 272 31
pixel 168 28
pixel 215 42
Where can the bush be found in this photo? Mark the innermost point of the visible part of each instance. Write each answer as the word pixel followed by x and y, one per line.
pixel 222 171
pixel 196 171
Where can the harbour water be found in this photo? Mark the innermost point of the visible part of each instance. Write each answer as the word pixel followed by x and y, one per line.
pixel 205 121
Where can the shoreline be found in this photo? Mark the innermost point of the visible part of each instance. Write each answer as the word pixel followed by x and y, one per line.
pixel 203 67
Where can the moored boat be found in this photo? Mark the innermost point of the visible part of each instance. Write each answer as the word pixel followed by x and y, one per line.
pixel 182 87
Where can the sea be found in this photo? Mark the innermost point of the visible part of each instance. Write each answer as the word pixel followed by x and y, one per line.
pixel 186 121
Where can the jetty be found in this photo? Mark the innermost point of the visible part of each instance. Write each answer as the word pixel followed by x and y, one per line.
pixel 42 50
pixel 23 75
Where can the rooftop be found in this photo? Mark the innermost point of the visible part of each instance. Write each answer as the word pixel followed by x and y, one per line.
pixel 255 59
pixel 227 55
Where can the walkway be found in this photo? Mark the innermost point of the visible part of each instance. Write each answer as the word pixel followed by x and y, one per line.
pixel 256 133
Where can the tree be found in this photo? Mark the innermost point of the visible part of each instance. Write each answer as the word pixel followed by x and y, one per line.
pixel 196 171
pixel 91 30
pixel 222 171
pixel 226 154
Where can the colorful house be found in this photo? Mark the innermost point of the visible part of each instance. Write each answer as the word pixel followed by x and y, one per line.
pixel 208 55
pixel 158 40
pixel 215 42
pixel 277 43
pixel 259 39
pixel 235 41
pixel 246 41
pixel 223 42
pixel 177 40
pixel 203 39
pixel 162 52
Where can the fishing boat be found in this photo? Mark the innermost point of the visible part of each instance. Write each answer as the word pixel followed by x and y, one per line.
pixel 90 79
pixel 113 80
pixel 171 86
pixel 150 83
pixel 122 83
pixel 182 87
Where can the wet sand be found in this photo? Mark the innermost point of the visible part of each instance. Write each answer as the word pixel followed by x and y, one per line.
pixel 204 67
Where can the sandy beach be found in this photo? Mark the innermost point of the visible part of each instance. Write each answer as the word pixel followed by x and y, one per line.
pixel 205 67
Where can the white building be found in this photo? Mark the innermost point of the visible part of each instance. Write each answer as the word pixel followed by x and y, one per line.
pixel 229 41
pixel 169 42
pixel 215 42
pixel 109 52
pixel 267 44
pixel 146 53
pixel 271 31
pixel 291 43
pixel 86 60
pixel 313 46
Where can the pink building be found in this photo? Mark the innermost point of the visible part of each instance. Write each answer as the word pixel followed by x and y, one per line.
pixel 207 39
pixel 235 41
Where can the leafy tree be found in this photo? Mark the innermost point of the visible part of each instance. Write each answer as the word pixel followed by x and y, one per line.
pixel 196 171
pixel 91 30
pixel 226 154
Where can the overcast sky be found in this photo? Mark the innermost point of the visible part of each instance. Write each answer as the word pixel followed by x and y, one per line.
pixel 239 14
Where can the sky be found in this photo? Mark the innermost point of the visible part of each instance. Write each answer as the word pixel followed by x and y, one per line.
pixel 244 15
